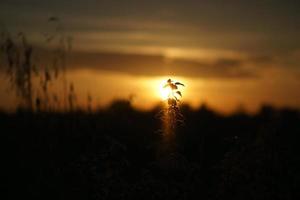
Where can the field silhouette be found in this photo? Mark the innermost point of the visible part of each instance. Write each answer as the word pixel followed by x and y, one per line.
pixel 77 78
pixel 116 153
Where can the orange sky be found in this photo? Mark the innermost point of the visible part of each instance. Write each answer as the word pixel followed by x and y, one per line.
pixel 223 95
pixel 227 53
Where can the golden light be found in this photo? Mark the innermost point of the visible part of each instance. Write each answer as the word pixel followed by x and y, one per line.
pixel 165 92
pixel 156 86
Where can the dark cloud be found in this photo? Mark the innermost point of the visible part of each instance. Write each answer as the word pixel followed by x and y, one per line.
pixel 156 65
pixel 256 28
pixel 267 25
pixel 261 59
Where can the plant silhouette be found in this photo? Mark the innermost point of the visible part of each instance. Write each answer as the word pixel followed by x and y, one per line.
pixel 20 57
pixel 173 96
pixel 172 114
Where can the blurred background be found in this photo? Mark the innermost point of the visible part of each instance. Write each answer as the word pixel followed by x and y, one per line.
pixel 229 54
pixel 83 109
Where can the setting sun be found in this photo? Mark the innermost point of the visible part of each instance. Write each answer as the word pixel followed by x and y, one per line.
pixel 169 89
pixel 165 92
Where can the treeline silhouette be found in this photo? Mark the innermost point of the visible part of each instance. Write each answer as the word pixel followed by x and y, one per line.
pixel 115 154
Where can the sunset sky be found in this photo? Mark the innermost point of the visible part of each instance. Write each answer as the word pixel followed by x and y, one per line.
pixel 228 53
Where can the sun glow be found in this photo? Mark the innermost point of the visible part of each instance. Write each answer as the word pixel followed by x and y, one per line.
pixel 165 92
pixel 158 91
pixel 170 90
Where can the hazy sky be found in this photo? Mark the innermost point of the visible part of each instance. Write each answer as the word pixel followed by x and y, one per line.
pixel 213 40
pixel 265 26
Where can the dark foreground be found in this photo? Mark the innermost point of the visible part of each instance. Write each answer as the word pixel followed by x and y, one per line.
pixel 121 153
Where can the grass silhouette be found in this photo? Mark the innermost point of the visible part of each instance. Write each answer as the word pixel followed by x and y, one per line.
pixel 171 114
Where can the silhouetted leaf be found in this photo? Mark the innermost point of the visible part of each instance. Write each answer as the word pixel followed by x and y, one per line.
pixel 179 93
pixel 53 19
pixel 178 83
